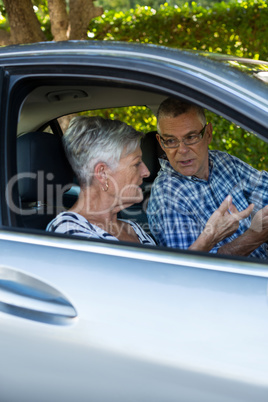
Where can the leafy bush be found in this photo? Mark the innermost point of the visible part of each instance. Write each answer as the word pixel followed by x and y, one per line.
pixel 238 28
pixel 230 138
pixel 226 136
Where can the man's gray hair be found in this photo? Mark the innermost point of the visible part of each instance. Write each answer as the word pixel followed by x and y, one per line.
pixel 90 140
pixel 171 107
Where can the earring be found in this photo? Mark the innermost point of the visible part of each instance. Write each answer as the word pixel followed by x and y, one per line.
pixel 106 186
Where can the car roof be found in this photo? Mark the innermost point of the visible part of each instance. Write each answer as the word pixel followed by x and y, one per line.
pixel 194 68
pixel 136 50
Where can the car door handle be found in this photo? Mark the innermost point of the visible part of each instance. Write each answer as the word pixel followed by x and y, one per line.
pixel 27 297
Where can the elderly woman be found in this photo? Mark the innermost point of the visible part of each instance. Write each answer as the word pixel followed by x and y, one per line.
pixel 107 160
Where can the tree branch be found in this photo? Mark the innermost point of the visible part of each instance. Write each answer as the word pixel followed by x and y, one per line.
pixel 5 38
pixel 81 13
pixel 24 25
pixel 59 19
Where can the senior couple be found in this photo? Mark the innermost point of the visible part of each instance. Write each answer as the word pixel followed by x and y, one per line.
pixel 201 200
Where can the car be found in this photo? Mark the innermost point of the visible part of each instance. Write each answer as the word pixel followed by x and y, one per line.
pixel 94 320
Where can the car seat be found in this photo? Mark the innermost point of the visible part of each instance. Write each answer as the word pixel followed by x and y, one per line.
pixel 151 151
pixel 44 177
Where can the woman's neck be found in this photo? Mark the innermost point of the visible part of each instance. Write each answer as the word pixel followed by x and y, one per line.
pixel 95 207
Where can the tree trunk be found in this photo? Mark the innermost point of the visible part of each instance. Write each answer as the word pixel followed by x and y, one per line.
pixel 81 12
pixel 5 38
pixel 24 25
pixel 59 19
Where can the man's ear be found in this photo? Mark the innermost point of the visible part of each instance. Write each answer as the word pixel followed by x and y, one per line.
pixel 160 143
pixel 209 130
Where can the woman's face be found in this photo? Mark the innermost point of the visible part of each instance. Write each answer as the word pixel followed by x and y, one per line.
pixel 127 178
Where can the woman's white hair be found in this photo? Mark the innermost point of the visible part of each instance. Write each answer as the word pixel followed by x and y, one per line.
pixel 90 140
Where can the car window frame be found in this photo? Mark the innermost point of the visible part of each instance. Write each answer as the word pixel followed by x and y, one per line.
pixel 20 76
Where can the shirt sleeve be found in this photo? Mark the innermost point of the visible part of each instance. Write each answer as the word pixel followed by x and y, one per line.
pixel 171 224
pixel 253 182
pixel 70 224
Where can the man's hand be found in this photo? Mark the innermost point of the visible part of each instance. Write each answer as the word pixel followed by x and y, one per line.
pixel 259 225
pixel 222 223
pixel 225 220
pixel 254 237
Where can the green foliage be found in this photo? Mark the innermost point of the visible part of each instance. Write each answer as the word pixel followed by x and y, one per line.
pixel 41 10
pixel 237 27
pixel 233 139
pixel 125 5
pixel 139 117
pixel 3 17
pixel 227 136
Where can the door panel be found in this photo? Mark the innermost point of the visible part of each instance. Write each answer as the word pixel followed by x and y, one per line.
pixel 24 296
pixel 144 330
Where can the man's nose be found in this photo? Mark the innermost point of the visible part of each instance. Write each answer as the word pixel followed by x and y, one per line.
pixel 182 148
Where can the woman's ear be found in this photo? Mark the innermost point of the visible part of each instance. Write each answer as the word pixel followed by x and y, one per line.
pixel 101 174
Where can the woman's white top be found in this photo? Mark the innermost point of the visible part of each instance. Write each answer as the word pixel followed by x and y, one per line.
pixel 75 224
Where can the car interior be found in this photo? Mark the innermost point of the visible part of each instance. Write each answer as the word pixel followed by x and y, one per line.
pixel 46 183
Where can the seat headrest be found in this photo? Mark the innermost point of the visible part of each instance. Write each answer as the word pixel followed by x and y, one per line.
pixel 151 151
pixel 43 167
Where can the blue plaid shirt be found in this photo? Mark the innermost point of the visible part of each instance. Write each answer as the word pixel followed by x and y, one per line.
pixel 180 206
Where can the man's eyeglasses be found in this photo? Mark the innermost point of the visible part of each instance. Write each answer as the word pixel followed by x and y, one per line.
pixel 190 139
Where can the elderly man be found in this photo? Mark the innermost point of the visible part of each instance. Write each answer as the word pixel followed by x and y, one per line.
pixel 193 181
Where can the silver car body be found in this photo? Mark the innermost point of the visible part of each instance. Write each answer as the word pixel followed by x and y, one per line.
pixel 101 321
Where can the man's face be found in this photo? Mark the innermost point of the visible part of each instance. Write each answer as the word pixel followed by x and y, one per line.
pixel 189 160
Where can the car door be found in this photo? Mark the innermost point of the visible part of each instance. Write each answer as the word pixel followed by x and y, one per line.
pixel 112 322
pixel 92 320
